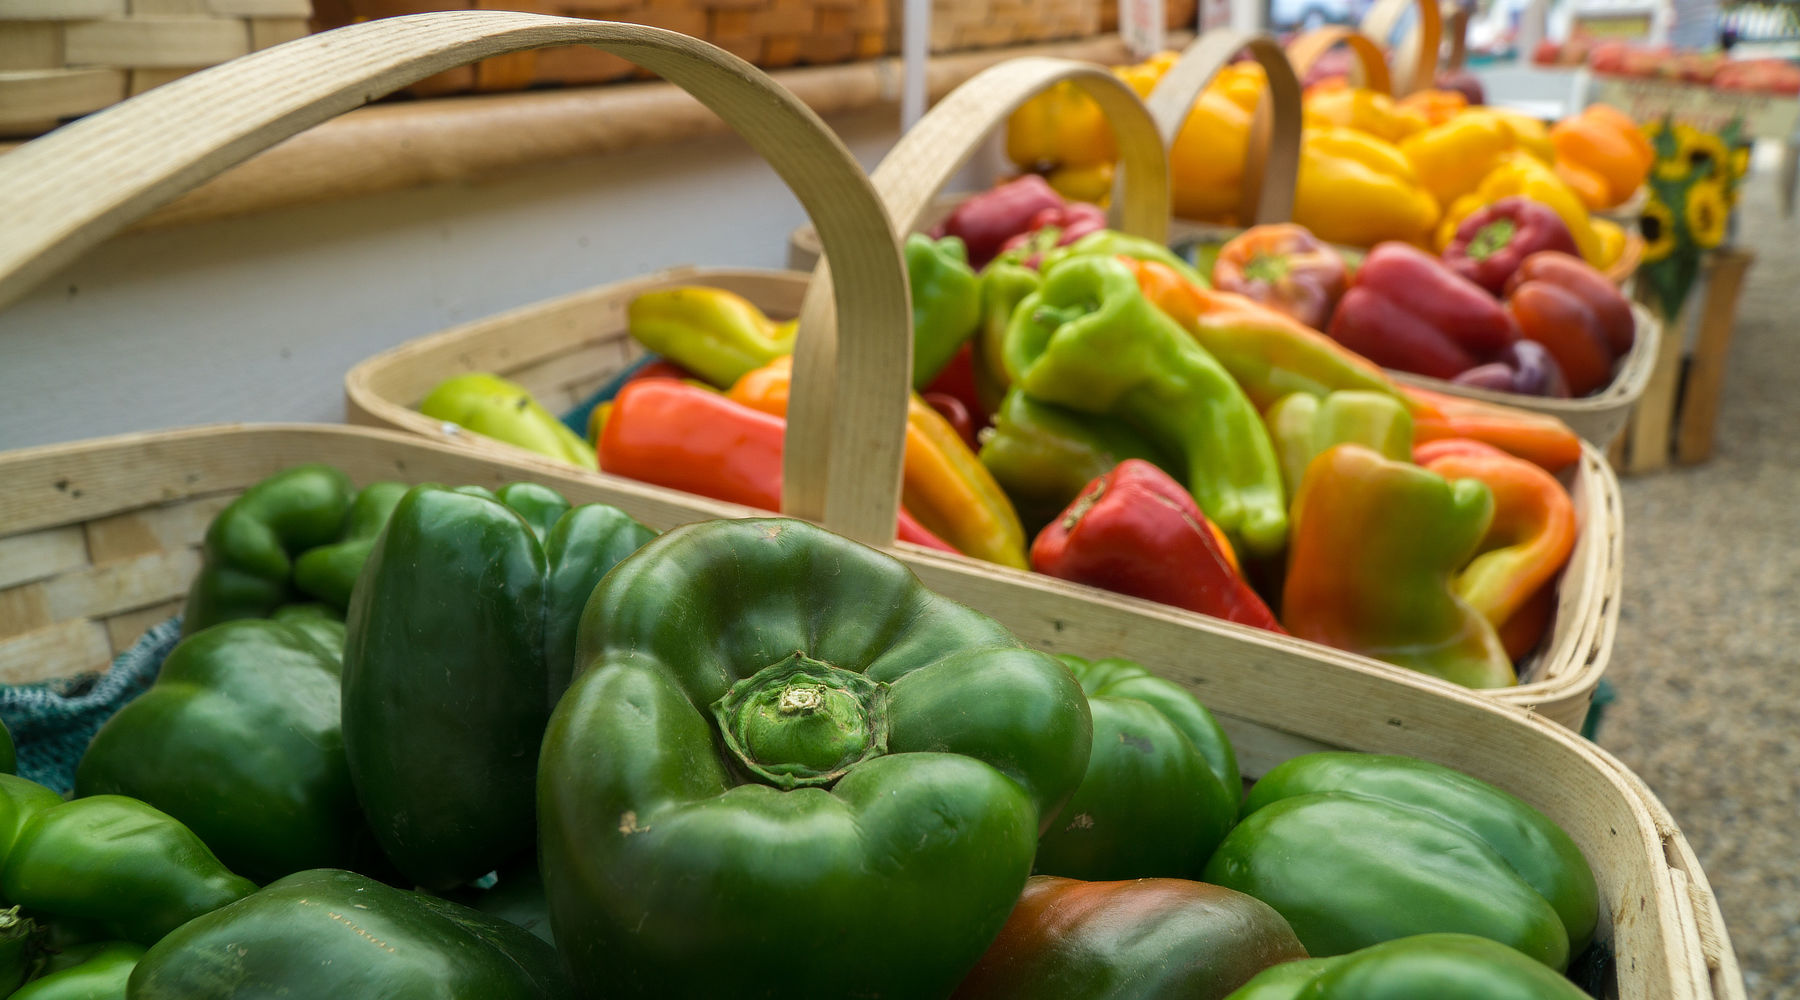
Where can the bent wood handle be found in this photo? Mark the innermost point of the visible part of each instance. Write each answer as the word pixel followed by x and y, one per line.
pixel 66 192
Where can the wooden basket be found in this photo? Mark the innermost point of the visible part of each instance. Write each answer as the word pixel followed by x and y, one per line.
pixel 144 500
pixel 957 25
pixel 63 58
pixel 767 33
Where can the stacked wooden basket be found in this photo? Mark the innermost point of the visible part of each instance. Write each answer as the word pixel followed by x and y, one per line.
pixel 97 538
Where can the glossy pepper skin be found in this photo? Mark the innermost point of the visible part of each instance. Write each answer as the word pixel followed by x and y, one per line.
pixel 1528 542
pixel 1044 455
pixel 1525 366
pixel 127 867
pixel 241 738
pixel 942 482
pixel 808 738
pixel 946 302
pixel 984 222
pixel 1612 311
pixel 21 948
pixel 1521 174
pixel 1056 227
pixel 250 547
pixel 1407 310
pixel 85 972
pixel 1579 317
pixel 1304 426
pixel 1136 531
pixel 1440 966
pixel 687 438
pixel 1143 939
pixel 1412 847
pixel 1004 284
pixel 326 933
pixel 329 571
pixel 1490 244
pixel 1375 545
pixel 1452 157
pixel 1357 190
pixel 1286 268
pixel 1162 782
pixel 715 334
pixel 1542 440
pixel 1090 340
pixel 447 669
pixel 1602 155
pixel 1112 243
pixel 492 406
pixel 1270 355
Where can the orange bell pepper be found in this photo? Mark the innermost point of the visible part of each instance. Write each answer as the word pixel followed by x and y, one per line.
pixel 1605 153
pixel 944 485
pixel 1544 441
pixel 1529 540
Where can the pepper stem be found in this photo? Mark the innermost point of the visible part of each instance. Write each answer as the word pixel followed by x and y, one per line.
pixel 1491 239
pixel 803 723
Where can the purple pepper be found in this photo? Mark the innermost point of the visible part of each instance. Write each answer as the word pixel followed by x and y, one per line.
pixel 1524 366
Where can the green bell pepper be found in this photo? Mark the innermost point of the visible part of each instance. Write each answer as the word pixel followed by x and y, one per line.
pixel 329 934
pixel 787 769
pixel 251 545
pixel 241 738
pixel 1438 966
pixel 134 871
pixel 946 302
pixel 1004 284
pixel 20 948
pixel 329 571
pixel 1356 849
pixel 1143 939
pixel 1043 455
pixel 20 800
pixel 1303 426
pixel 1089 340
pixel 505 411
pixel 96 971
pixel 1112 243
pixel 1162 783
pixel 447 669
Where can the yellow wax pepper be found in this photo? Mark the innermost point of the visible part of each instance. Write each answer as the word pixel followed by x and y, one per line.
pixel 1358 190
pixel 1363 110
pixel 1523 174
pixel 1453 158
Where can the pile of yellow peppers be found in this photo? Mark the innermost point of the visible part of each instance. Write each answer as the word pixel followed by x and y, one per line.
pixel 1372 168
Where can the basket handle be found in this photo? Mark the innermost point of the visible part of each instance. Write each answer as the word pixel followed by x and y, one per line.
pixel 912 173
pixel 1272 166
pixel 64 193
pixel 1306 50
pixel 1417 54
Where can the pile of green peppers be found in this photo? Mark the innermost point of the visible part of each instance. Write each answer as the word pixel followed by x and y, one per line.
pixel 550 753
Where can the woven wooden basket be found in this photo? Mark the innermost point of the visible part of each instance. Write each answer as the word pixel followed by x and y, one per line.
pixel 141 499
pixel 768 33
pixel 63 58
pixel 126 514
pixel 987 24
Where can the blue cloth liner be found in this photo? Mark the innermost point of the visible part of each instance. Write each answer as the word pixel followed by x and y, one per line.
pixel 577 419
pixel 52 723
pixel 1604 695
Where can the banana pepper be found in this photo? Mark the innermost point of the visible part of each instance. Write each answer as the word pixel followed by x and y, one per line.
pixel 1542 440
pixel 944 484
pixel 1305 426
pixel 1090 340
pixel 1358 190
pixel 505 411
pixel 1044 455
pixel 1520 173
pixel 716 334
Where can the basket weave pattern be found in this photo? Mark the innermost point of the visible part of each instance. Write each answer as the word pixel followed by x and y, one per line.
pixel 988 24
pixel 62 58
pixel 768 33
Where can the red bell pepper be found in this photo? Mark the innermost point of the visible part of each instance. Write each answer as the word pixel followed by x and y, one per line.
pixel 1579 317
pixel 1286 268
pixel 1490 244
pixel 987 220
pixel 685 437
pixel 957 381
pixel 1057 227
pixel 1407 310
pixel 1611 309
pixel 1136 531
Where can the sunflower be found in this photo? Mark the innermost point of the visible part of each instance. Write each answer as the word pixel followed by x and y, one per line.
pixel 1657 224
pixel 1707 213
pixel 1665 141
pixel 1704 152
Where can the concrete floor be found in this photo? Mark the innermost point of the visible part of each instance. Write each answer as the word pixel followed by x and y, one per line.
pixel 1707 662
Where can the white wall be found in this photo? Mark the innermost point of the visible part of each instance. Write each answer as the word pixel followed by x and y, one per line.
pixel 258 319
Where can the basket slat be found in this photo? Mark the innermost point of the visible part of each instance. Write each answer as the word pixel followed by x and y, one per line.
pixel 171 42
pixel 59 10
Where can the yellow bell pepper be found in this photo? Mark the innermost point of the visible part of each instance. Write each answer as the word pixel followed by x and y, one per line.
pixel 1358 190
pixel 1529 134
pixel 944 485
pixel 1061 127
pixel 1451 159
pixel 1611 237
pixel 1522 174
pixel 1438 106
pixel 1242 83
pixel 1356 108
pixel 1206 161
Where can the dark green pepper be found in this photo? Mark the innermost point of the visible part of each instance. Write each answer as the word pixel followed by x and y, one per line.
pixel 585 543
pixel 328 571
pixel 1043 455
pixel 1437 966
pixel 20 800
pixel 1162 783
pixel 946 302
pixel 241 738
pixel 447 671
pixel 251 545
pixel 540 506
pixel 1143 939
pixel 87 972
pixel 332 934
pixel 787 769
pixel 20 948
pixel 1356 849
pixel 129 868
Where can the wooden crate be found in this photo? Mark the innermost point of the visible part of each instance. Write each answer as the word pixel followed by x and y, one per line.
pixel 1277 698
pixel 64 58
pixel 767 33
pixel 957 25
